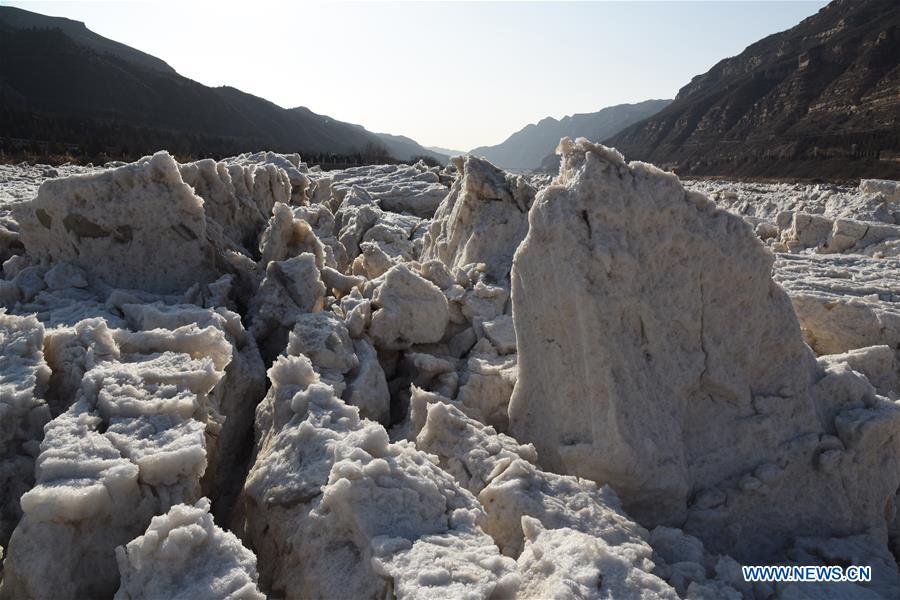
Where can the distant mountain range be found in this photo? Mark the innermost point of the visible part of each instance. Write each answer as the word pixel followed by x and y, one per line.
pixel 60 82
pixel 821 99
pixel 445 151
pixel 404 148
pixel 529 147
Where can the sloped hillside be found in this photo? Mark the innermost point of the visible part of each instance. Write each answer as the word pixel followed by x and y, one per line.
pixel 821 99
pixel 530 146
pixel 60 82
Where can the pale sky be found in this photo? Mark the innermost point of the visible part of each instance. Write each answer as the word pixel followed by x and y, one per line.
pixel 457 75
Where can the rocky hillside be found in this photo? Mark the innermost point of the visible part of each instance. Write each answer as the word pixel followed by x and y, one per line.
pixel 529 147
pixel 821 99
pixel 16 18
pixel 62 83
pixel 404 148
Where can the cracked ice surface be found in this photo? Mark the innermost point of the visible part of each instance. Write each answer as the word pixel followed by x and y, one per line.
pixel 254 377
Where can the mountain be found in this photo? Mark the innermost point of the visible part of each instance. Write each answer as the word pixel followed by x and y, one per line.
pixel 445 151
pixel 821 99
pixel 16 18
pixel 528 147
pixel 407 149
pixel 62 83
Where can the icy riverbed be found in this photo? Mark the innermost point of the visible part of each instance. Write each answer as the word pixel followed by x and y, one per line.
pixel 255 378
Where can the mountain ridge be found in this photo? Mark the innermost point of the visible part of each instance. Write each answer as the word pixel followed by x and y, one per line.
pixel 527 148
pixel 821 99
pixel 17 18
pixel 405 148
pixel 112 99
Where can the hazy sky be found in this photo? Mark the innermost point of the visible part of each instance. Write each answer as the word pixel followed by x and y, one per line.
pixel 457 75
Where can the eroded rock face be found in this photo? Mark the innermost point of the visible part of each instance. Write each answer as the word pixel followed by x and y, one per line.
pixel 650 336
